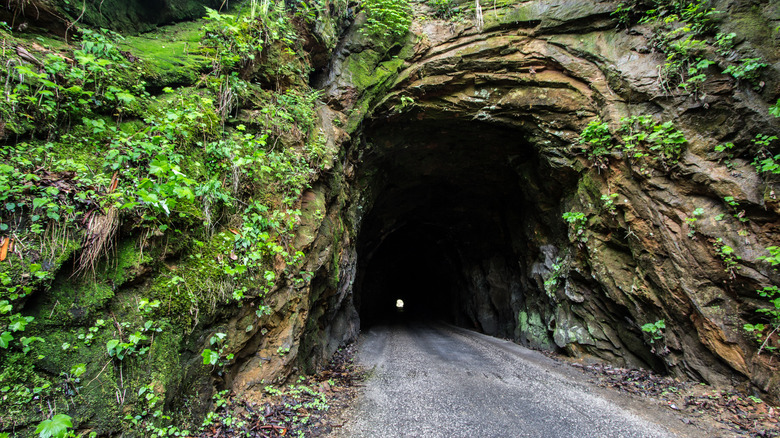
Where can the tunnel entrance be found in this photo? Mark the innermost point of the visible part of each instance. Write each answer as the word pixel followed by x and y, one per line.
pixel 454 215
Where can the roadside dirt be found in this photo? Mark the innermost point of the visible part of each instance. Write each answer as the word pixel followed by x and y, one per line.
pixel 309 406
pixel 729 413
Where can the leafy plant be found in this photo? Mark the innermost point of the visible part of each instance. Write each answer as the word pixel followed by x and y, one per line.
pixel 577 220
pixel 773 258
pixel 608 201
pixel 444 9
pixel 655 330
pixel 726 151
pixel 726 253
pixel 215 357
pixel 555 274
pixel 642 136
pixel 56 427
pixel 764 332
pixel 691 220
pixel 684 55
pixel 725 42
pixel 739 214
pixel 775 109
pixel 599 140
pixel 118 349
pixel 387 18
pixel 748 69
pixel 772 294
pixel 766 162
pixel 236 41
pixel 696 75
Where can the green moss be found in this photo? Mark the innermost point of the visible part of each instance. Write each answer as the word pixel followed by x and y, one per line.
pixel 20 389
pixel 198 283
pixel 126 263
pixel 507 13
pixel 171 55
pixel 533 330
pixel 589 190
pixel 360 68
pixel 166 366
pixel 75 302
pixel 754 27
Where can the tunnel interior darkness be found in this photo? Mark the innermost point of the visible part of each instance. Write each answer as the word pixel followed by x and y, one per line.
pixel 410 266
pixel 455 212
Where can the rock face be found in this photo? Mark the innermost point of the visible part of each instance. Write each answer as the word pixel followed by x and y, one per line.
pixel 467 156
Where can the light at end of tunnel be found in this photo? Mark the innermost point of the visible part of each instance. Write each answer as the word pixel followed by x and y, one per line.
pixel 399 304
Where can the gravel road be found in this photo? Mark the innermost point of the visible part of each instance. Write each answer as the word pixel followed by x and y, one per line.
pixel 435 380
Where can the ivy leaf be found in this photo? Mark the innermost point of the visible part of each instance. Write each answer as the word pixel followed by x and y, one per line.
pixel 137 337
pixel 39 202
pixel 57 427
pixel 775 109
pixel 18 323
pixel 78 369
pixel 210 357
pixel 159 167
pixel 125 97
pixel 183 193
pixel 111 346
pixel 5 338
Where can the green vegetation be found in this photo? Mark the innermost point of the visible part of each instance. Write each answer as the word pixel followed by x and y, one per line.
pixel 301 400
pixel 56 427
pixel 218 357
pixel 775 109
pixel 685 33
pixel 608 201
pixel 577 220
pixel 90 148
pixel 387 18
pixel 641 138
pixel 444 9
pixel 766 333
pixel 655 330
pixel 726 153
pixel 766 162
pixel 557 271
pixel 692 219
pixel 599 140
pixel 747 69
pixel 726 253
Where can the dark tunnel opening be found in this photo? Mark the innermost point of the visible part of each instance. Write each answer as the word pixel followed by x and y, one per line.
pixel 463 221
pixel 454 219
pixel 412 265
